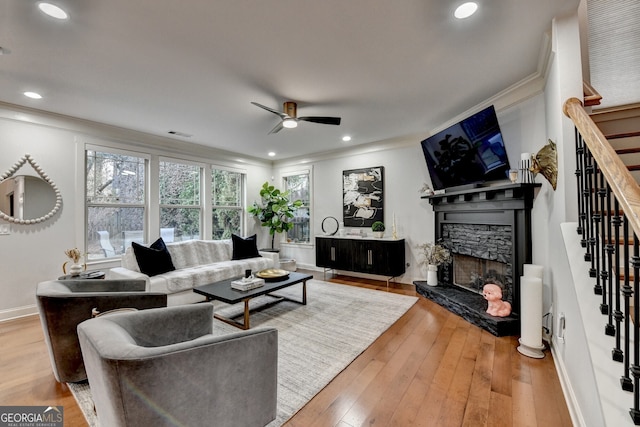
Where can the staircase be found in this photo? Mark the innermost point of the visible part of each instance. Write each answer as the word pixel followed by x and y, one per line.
pixel 608 172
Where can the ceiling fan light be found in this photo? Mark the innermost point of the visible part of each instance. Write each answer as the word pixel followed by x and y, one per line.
pixel 466 10
pixel 289 123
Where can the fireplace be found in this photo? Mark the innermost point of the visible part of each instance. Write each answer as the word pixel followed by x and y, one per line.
pixel 488 231
pixel 481 253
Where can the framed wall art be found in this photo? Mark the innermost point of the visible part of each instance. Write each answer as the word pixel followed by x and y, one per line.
pixel 362 196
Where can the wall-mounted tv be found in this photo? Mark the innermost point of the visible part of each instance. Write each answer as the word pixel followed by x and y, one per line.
pixel 469 152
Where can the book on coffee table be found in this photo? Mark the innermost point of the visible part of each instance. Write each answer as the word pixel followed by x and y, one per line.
pixel 245 285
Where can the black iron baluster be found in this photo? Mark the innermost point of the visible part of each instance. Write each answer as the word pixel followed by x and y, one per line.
pixel 606 292
pixel 599 290
pixel 579 181
pixel 616 353
pixel 614 271
pixel 587 205
pixel 591 170
pixel 627 291
pixel 635 368
pixel 597 218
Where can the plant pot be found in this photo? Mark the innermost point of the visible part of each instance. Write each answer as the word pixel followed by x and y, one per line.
pixel 378 234
pixel 432 275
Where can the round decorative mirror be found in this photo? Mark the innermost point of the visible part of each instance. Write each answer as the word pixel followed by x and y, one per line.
pixel 28 199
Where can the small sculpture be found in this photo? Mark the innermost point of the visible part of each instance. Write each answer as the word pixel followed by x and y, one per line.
pixel 546 162
pixel 493 293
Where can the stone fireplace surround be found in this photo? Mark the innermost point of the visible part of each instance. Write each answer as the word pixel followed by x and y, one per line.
pixel 490 223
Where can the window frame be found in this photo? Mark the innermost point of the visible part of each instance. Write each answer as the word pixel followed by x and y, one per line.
pixel 87 204
pixel 243 197
pixel 309 172
pixel 201 199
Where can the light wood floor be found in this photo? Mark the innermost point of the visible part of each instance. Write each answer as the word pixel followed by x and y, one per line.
pixel 431 368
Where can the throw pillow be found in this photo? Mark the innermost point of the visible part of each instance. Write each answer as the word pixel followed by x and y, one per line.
pixel 244 247
pixel 153 260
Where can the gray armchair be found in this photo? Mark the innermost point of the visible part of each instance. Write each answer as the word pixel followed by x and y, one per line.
pixel 63 304
pixel 165 367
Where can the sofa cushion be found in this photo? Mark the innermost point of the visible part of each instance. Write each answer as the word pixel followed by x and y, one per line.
pixel 244 247
pixel 153 260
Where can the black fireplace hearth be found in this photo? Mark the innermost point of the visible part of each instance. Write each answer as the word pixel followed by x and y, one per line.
pixel 463 220
pixel 470 306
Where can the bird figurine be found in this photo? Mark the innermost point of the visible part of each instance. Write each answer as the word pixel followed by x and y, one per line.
pixel 546 162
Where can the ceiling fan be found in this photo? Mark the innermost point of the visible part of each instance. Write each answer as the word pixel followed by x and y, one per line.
pixel 290 119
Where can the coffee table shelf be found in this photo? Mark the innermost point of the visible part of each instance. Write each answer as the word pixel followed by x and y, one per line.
pixel 222 291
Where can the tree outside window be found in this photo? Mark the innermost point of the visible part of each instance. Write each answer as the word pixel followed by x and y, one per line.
pixel 180 204
pixel 299 189
pixel 115 201
pixel 227 189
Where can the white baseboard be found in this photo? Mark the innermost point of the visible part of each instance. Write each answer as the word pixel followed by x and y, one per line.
pixel 14 313
pixel 569 395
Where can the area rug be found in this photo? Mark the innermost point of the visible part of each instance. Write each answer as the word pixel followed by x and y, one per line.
pixel 315 341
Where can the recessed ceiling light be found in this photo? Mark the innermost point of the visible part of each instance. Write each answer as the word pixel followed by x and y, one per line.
pixel 32 95
pixel 271 154
pixel 465 10
pixel 53 10
pixel 346 138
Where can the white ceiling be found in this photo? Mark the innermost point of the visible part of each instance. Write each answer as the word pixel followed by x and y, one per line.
pixel 388 68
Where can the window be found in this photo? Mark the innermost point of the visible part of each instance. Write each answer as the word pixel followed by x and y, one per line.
pixel 299 189
pixel 227 214
pixel 115 202
pixel 180 205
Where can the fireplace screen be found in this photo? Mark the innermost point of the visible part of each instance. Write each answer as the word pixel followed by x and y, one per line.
pixel 472 273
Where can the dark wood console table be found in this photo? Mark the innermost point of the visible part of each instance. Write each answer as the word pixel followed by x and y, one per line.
pixel 384 257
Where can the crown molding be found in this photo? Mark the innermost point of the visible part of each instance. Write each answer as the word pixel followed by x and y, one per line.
pixel 92 130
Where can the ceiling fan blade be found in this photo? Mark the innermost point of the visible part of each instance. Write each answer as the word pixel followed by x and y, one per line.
pixel 277 129
pixel 323 120
pixel 280 113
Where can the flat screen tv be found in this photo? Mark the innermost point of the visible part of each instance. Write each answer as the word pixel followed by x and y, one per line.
pixel 469 152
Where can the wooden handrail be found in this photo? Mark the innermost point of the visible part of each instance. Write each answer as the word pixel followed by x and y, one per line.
pixel 624 187
pixel 591 96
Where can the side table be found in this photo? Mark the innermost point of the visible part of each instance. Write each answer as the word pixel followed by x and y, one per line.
pixel 84 275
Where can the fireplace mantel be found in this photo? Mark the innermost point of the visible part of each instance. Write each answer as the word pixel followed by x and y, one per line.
pixel 499 205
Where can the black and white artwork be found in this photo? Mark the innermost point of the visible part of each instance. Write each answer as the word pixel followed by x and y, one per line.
pixel 362 192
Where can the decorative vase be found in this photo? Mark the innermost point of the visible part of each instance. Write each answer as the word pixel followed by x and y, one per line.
pixel 432 275
pixel 73 270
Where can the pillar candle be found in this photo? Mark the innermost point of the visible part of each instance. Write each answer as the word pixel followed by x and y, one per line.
pixel 531 311
pixel 532 270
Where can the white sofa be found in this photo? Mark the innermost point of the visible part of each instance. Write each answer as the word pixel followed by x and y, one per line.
pixel 196 262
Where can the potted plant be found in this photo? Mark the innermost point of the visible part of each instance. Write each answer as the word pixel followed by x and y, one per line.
pixel 378 228
pixel 276 210
pixel 433 255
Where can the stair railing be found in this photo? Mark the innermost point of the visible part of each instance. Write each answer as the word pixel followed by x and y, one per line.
pixel 608 203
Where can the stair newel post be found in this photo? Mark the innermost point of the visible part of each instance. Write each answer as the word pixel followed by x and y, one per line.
pixel 602 193
pixel 617 353
pixel 614 272
pixel 580 182
pixel 635 368
pixel 627 291
pixel 591 235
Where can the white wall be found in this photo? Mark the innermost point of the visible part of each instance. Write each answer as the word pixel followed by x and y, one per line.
pixel 405 170
pixel 572 354
pixel 34 253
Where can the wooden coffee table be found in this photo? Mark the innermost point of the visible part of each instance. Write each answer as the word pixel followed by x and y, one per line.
pixel 222 291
